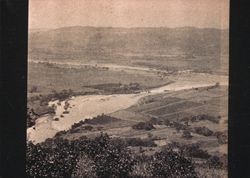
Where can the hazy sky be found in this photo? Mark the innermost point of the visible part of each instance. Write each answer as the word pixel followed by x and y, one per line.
pixel 128 13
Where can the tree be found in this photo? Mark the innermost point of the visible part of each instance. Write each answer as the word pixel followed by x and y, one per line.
pixel 54 158
pixel 170 164
pixel 111 160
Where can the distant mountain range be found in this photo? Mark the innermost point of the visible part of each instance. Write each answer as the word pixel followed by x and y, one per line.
pixel 91 41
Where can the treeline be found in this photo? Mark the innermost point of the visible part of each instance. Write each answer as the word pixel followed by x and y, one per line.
pixel 117 88
pixel 102 157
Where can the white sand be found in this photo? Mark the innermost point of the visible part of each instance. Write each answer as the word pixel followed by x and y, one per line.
pixel 84 107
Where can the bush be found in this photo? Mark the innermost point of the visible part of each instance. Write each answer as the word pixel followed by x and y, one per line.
pixel 65 112
pixel 141 168
pixel 88 127
pixel 168 123
pixel 179 126
pixel 170 164
pixel 186 134
pixel 224 160
pixel 102 157
pixel 143 126
pixel 78 124
pixel 215 162
pixel 222 137
pixel 140 142
pixel 191 150
pixel 155 121
pixel 34 114
pixel 60 133
pixel 111 160
pixel 205 117
pixel 31 117
pixel 85 168
pixel 58 158
pixel 56 119
pixel 102 119
pixel 54 162
pixel 203 131
pixel 77 130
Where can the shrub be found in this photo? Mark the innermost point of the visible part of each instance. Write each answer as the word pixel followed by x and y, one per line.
pixel 186 134
pixel 224 160
pixel 111 160
pixel 56 119
pixel 102 157
pixel 150 135
pixel 78 124
pixel 77 130
pixel 65 112
pixel 102 119
pixel 155 121
pixel 179 126
pixel 222 137
pixel 172 165
pixel 191 150
pixel 141 167
pixel 31 117
pixel 143 126
pixel 205 117
pixel 99 128
pixel 47 161
pixel 85 168
pixel 203 131
pixel 168 123
pixel 33 114
pixel 215 162
pixel 58 158
pixel 88 127
pixel 60 133
pixel 140 142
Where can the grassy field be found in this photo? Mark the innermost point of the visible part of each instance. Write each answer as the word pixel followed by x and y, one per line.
pixel 49 77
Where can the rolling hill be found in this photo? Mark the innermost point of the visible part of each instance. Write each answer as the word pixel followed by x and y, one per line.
pixel 106 41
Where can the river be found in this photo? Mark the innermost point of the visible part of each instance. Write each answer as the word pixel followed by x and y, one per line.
pixel 89 106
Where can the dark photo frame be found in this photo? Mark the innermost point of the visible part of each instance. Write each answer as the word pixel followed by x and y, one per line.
pixel 13 84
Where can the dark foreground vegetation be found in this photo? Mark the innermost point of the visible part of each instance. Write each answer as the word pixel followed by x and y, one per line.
pixel 102 157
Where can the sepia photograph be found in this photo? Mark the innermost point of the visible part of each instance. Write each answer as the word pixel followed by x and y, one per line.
pixel 127 89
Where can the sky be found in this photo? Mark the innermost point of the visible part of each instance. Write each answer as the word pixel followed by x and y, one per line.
pixel 129 13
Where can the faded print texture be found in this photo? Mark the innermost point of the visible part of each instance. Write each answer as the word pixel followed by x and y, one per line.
pixel 134 88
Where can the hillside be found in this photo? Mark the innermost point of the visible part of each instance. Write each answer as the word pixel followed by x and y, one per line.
pixel 127 42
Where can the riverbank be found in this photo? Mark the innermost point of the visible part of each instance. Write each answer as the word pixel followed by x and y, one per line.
pixel 83 107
